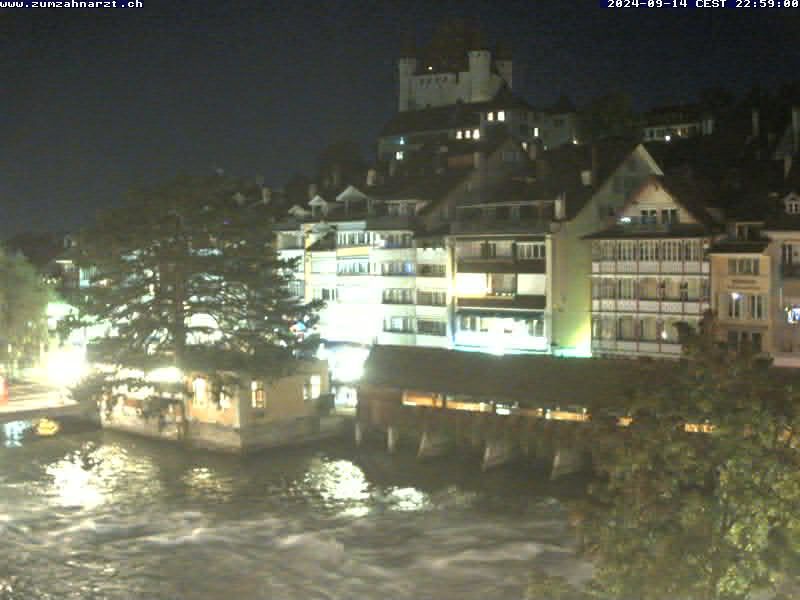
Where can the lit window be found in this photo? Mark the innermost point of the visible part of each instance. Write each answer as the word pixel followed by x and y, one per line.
pixel 501 115
pixel 535 132
pixel 793 207
pixel 258 397
pixel 459 134
pixel 476 134
pixel 468 134
pixel 399 155
pixel 490 116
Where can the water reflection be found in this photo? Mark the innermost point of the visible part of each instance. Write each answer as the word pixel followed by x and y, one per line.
pixel 206 482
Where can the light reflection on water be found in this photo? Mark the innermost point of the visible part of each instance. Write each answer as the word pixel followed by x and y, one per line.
pixel 106 516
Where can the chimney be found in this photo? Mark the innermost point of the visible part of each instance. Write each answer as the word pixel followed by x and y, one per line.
pixel 796 129
pixel 372 177
pixel 312 190
pixel 754 118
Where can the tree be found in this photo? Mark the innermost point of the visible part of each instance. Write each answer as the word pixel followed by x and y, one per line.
pixel 695 515
pixel 23 310
pixel 185 275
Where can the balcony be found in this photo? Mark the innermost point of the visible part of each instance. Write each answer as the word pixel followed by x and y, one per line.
pixel 509 302
pixel 501 264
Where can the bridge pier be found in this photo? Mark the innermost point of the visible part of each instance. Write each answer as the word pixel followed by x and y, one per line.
pixel 358 433
pixel 392 438
pixel 433 443
pixel 568 460
pixel 498 451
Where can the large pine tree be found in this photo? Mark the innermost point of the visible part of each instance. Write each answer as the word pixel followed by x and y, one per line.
pixel 185 274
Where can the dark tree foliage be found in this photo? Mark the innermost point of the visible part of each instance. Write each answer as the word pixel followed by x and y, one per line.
pixel 699 515
pixel 185 275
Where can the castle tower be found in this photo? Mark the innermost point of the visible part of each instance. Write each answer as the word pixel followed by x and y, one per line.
pixel 480 63
pixel 406 68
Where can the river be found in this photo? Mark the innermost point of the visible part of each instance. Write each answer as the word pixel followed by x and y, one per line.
pixel 96 515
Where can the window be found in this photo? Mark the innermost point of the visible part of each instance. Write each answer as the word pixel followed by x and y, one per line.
pixel 735 306
pixel 468 134
pixel 258 396
pixel 502 284
pixel 426 327
pixel 431 298
pixel 398 324
pixel 530 251
pixel 476 134
pixel 468 323
pixel 793 206
pixel 536 132
pixel 431 270
pixel 787 254
pixel 743 266
pixel 649 216
pixel 669 215
pixel 535 327
pixel 326 294
pixel 398 296
pixel 353 267
pixel 312 389
pixel 397 267
pixel 626 250
pixel 490 116
pixel 501 115
pixel 756 307
pixel 399 155
pixel 626 289
pixel 459 134
pixel 296 288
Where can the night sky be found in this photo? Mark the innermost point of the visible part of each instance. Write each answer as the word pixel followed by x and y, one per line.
pixel 95 102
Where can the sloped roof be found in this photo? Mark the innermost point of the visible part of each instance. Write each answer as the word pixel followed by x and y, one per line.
pixel 533 381
pixel 421 187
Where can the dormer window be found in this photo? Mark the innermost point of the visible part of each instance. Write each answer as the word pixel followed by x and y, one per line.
pixel 793 206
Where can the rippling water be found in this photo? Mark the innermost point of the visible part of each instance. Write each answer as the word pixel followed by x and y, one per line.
pixel 99 515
